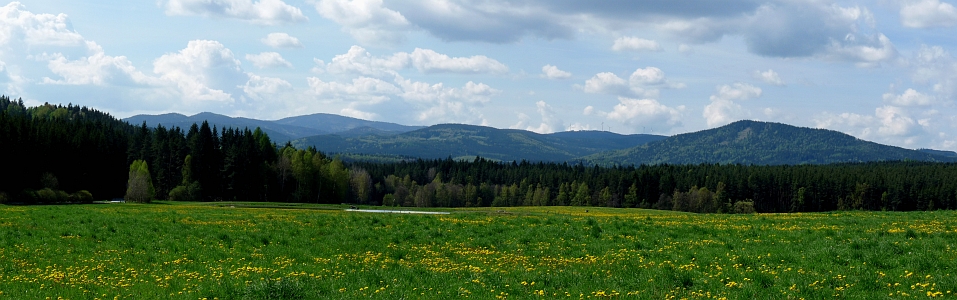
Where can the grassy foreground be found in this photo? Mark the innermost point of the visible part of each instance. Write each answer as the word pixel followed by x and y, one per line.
pixel 180 251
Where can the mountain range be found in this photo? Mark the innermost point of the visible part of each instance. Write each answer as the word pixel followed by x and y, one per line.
pixel 282 130
pixel 744 142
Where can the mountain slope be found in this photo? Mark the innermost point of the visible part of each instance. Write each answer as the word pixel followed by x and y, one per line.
pixel 761 143
pixel 280 131
pixel 336 123
pixel 463 141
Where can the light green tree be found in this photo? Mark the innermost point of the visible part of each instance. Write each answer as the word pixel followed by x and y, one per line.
pixel 139 187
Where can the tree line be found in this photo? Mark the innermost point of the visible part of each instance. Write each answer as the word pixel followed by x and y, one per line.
pixel 58 154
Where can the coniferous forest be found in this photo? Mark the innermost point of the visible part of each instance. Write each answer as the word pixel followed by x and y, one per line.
pixel 73 154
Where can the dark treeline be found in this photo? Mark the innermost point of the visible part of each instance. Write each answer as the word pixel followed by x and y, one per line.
pixel 696 188
pixel 61 153
pixel 66 153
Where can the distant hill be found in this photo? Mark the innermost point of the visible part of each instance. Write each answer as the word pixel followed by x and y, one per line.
pixel 467 141
pixel 939 152
pixel 760 143
pixel 280 131
pixel 335 123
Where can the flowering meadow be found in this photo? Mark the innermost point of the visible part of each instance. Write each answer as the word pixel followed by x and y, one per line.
pixel 190 251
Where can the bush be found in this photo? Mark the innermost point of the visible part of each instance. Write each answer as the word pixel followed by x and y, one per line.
pixel 46 195
pixel 743 207
pixel 191 192
pixel 4 198
pixel 83 196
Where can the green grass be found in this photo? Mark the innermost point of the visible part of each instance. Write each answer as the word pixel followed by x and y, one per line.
pixel 196 251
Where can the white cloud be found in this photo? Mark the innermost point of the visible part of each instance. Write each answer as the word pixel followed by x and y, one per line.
pixel 18 25
pixel 647 76
pixel 645 112
pixel 264 12
pixel 910 97
pixel 366 20
pixel 475 93
pixel 257 86
pixel 928 13
pixel 935 66
pixel 429 61
pixel 202 71
pixel 737 91
pixel 268 60
pixel 769 77
pixel 867 54
pixel 642 83
pixel 552 72
pixel 364 89
pixel 550 122
pixel 95 69
pixel 605 83
pixel 889 124
pixel 359 61
pixel 358 114
pixel 281 40
pixel 723 109
pixel 635 44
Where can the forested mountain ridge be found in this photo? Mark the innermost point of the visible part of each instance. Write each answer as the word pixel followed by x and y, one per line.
pixel 761 143
pixel 469 141
pixel 281 130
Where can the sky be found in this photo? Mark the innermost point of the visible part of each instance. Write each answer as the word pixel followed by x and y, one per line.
pixel 882 70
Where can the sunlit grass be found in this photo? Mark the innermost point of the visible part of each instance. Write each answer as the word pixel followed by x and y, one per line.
pixel 179 251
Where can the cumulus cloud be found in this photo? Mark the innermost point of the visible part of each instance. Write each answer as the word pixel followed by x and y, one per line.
pixel 644 82
pixel 268 60
pixel 36 29
pixel 281 40
pixel 358 114
pixel 889 124
pixel 359 61
pixel 429 61
pixel 910 97
pixel 258 86
pixel 202 71
pixel 645 112
pixel 935 66
pixel 366 20
pixel 95 69
pixel 550 122
pixel 769 77
pixel 364 89
pixel 928 13
pixel 606 83
pixel 867 54
pixel 421 102
pixel 635 44
pixel 552 72
pixel 724 109
pixel 264 12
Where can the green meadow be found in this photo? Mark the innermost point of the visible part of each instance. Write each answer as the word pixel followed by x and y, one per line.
pixel 237 251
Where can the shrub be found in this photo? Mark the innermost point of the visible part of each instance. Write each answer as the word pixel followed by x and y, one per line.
pixel 4 198
pixel 46 195
pixel 189 192
pixel 743 207
pixel 83 196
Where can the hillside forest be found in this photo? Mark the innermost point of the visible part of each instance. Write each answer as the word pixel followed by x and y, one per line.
pixel 73 154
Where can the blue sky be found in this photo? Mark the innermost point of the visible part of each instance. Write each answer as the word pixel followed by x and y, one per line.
pixel 880 70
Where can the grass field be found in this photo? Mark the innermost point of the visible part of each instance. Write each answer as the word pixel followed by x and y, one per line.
pixel 191 251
